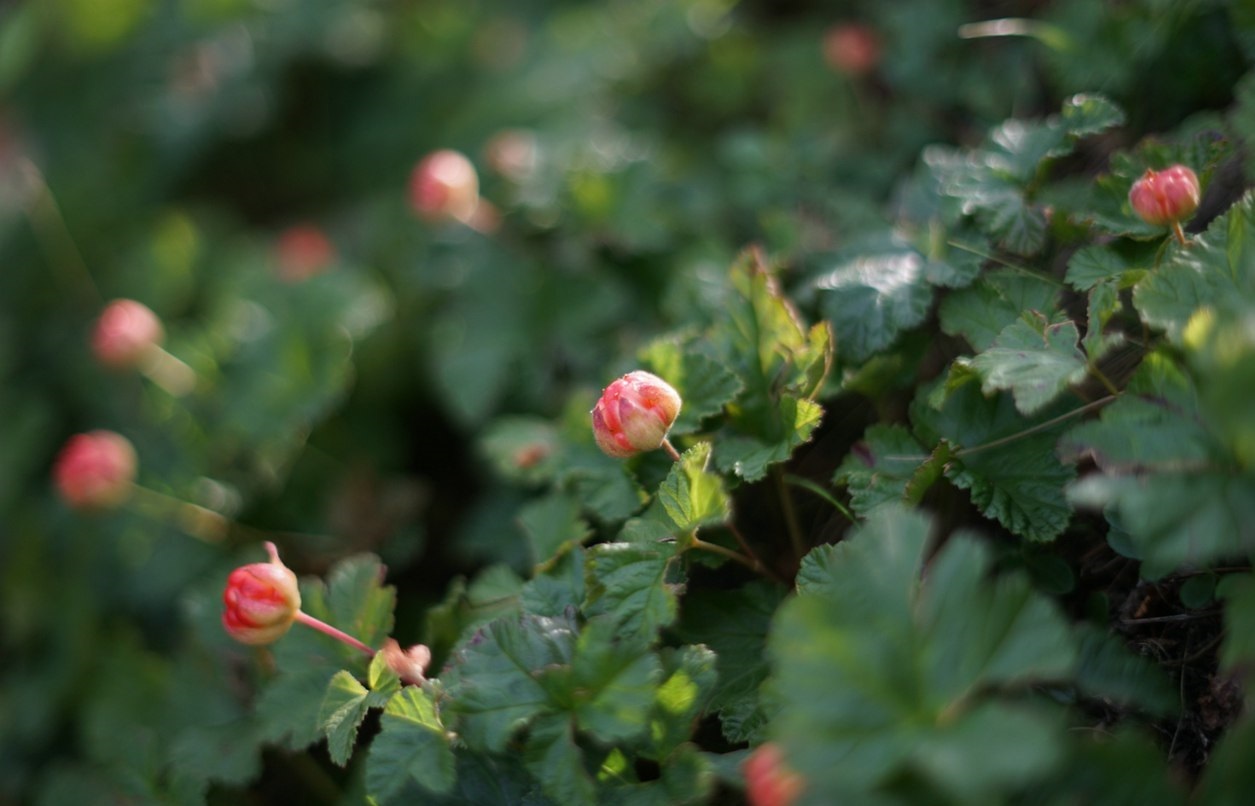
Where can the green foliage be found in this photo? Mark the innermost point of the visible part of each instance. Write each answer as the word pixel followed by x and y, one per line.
pixel 963 505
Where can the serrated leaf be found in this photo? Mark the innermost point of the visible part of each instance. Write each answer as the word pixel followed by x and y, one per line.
pixel 880 467
pixel 1034 360
pixel 358 601
pixel 493 680
pixel 344 706
pixel 704 384
pixel 635 583
pixel 734 624
pixel 1217 271
pixel 411 746
pixel 553 525
pixel 1177 495
pixel 614 682
pixel 691 495
pixel 871 297
pixel 1097 264
pixel 288 708
pixel 749 457
pixel 762 339
pixel 1020 481
pixel 1104 303
pixel 557 588
pixel 983 310
pixel 1089 113
pixel 879 672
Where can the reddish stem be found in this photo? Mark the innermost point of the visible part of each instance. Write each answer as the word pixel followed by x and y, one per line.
pixel 670 449
pixel 327 629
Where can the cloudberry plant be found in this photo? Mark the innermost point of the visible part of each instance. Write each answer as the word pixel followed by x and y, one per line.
pixel 1166 198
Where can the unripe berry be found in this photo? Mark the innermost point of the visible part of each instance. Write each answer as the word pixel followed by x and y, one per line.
pixel 261 601
pixel 303 251
pixel 125 334
pixel 634 414
pixel 444 186
pixel 851 48
pixel 768 782
pixel 95 470
pixel 1167 197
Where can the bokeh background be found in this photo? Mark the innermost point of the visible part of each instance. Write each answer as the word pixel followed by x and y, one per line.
pixel 165 150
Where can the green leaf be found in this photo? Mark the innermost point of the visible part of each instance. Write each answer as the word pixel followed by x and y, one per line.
pixel 553 526
pixel 555 760
pixel 358 602
pixel 761 338
pixel 344 706
pixel 981 311
pixel 691 495
pixel 615 682
pixel 411 745
pixel 1178 496
pixel 1012 474
pixel 880 467
pixel 1090 113
pixel 522 450
pixel 734 625
pixel 749 457
pixel 879 673
pixel 1109 670
pixel 494 680
pixel 636 583
pixel 1097 264
pixel 1217 271
pixel 689 678
pixel 1034 360
pixel 1104 303
pixel 872 294
pixel 705 385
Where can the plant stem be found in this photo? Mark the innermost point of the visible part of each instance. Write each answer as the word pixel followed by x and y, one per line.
pixel 326 629
pixel 1051 423
pixel 790 514
pixel 670 449
pixel 752 562
pixel 1104 380
pixel 199 522
pixel 1180 233
pixel 807 484
pixel 168 372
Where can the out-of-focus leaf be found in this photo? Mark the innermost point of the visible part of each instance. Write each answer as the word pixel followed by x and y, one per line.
pixel 553 525
pixel 1019 482
pixel 982 311
pixel 878 672
pixel 880 467
pixel 412 745
pixel 1034 360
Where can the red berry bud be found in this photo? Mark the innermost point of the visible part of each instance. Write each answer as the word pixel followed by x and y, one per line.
pixel 125 333
pixel 444 186
pixel 409 664
pixel 634 414
pixel 1165 197
pixel 768 782
pixel 851 48
pixel 303 251
pixel 261 601
pixel 95 470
